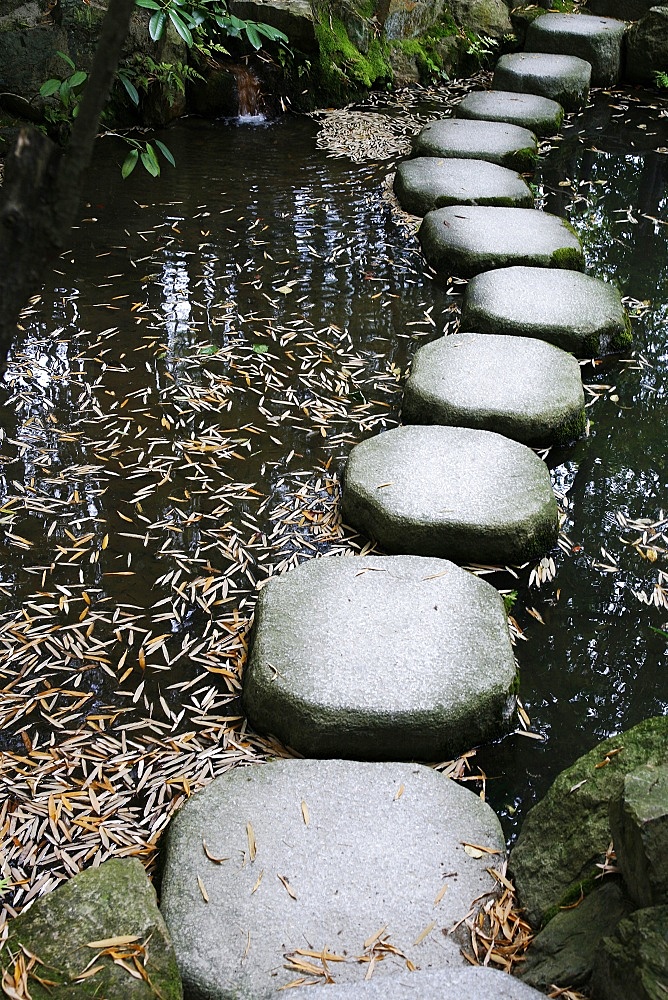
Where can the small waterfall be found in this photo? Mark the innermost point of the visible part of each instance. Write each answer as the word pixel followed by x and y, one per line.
pixel 249 94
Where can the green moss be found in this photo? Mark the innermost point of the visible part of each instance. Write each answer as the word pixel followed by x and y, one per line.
pixel 572 429
pixel 575 893
pixel 568 258
pixel 622 338
pixel 344 71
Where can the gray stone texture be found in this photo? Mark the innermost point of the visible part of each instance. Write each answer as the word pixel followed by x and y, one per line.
pixel 598 40
pixel 567 833
pixel 647 46
pixel 639 823
pixel 379 658
pixel 406 19
pixel 365 850
pixel 564 952
pixel 450 984
pixel 626 10
pixel 529 391
pixel 576 312
pixel 429 182
pixel 293 17
pixel 565 79
pixel 451 492
pixel 538 114
pixel 633 963
pixel 465 240
pixel 497 142
pixel 482 17
pixel 114 900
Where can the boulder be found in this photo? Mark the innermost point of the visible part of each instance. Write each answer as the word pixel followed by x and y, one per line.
pixel 482 17
pixel 639 824
pixel 529 391
pixel 567 833
pixel 538 114
pixel 102 914
pixel 598 40
pixel 450 984
pixel 428 182
pixel 565 79
pixel 564 952
pixel 271 868
pixel 452 492
pixel 381 658
pixel 576 312
pixel 465 240
pixel 293 17
pixel 410 18
pixel 633 963
pixel 626 10
pixel 647 46
pixel 497 142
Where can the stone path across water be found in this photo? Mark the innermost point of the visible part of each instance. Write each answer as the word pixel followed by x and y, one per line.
pixel 539 115
pixel 565 79
pixel 429 182
pixel 497 142
pixel 598 40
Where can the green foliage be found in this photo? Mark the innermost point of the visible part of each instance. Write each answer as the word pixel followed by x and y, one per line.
pixel 66 91
pixel 193 19
pixel 509 601
pixel 144 153
pixel 480 46
pixel 345 70
pixel 661 78
pixel 142 72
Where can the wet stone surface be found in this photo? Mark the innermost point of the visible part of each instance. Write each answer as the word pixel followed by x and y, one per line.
pixel 565 79
pixel 379 658
pixel 538 114
pixel 429 182
pixel 497 142
pixel 527 390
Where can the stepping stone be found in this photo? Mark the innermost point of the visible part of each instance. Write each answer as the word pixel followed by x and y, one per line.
pixel 576 312
pixel 450 984
pixel 380 658
pixel 598 40
pixel 322 854
pixel 565 79
pixel 430 182
pixel 539 114
pixel 453 492
pixel 497 142
pixel 529 391
pixel 465 240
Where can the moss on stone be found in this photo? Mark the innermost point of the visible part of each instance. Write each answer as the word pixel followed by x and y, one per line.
pixel 571 429
pixel 568 258
pixel 621 339
pixel 344 71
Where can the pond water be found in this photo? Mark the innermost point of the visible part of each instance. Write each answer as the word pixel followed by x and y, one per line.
pixel 182 401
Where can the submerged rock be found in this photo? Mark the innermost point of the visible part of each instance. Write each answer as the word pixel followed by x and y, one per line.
pixel 322 854
pixel 77 927
pixel 428 182
pixel 639 823
pixel 565 79
pixel 574 311
pixel 633 963
pixel 450 984
pixel 379 658
pixel 538 114
pixel 452 492
pixel 497 142
pixel 529 391
pixel 598 40
pixel 465 240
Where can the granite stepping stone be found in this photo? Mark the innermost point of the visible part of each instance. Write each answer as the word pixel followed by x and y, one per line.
pixel 497 142
pixel 576 312
pixel 319 854
pixel 538 114
pixel 431 182
pixel 380 658
pixel 453 492
pixel 529 391
pixel 450 984
pixel 598 40
pixel 565 79
pixel 467 239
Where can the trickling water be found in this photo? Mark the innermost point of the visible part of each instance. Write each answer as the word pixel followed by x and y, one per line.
pixel 249 92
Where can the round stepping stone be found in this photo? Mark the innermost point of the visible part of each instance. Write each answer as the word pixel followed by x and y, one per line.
pixel 380 658
pixel 576 312
pixel 565 79
pixel 539 114
pixel 465 240
pixel 430 182
pixel 529 391
pixel 497 142
pixel 462 494
pixel 322 854
pixel 450 984
pixel 598 40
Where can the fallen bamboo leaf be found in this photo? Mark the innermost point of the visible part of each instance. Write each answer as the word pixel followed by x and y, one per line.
pixel 288 888
pixel 425 933
pixel 113 942
pixel 202 889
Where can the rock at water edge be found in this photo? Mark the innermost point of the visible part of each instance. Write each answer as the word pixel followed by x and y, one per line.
pixel 496 142
pixel 565 79
pixel 429 182
pixel 538 114
pixel 647 46
pixel 633 963
pixel 639 823
pixel 450 984
pixel 597 40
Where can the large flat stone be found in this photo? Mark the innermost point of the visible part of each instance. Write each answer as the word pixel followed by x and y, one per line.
pixel 565 79
pixel 574 311
pixel 451 984
pixel 365 850
pixel 452 492
pixel 429 182
pixel 497 142
pixel 529 391
pixel 381 658
pixel 538 114
pixel 465 240
pixel 639 824
pixel 597 40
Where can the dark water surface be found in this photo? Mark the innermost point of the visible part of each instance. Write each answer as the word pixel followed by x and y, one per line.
pixel 183 400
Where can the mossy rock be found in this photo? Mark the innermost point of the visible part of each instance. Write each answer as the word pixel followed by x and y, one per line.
pixel 344 72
